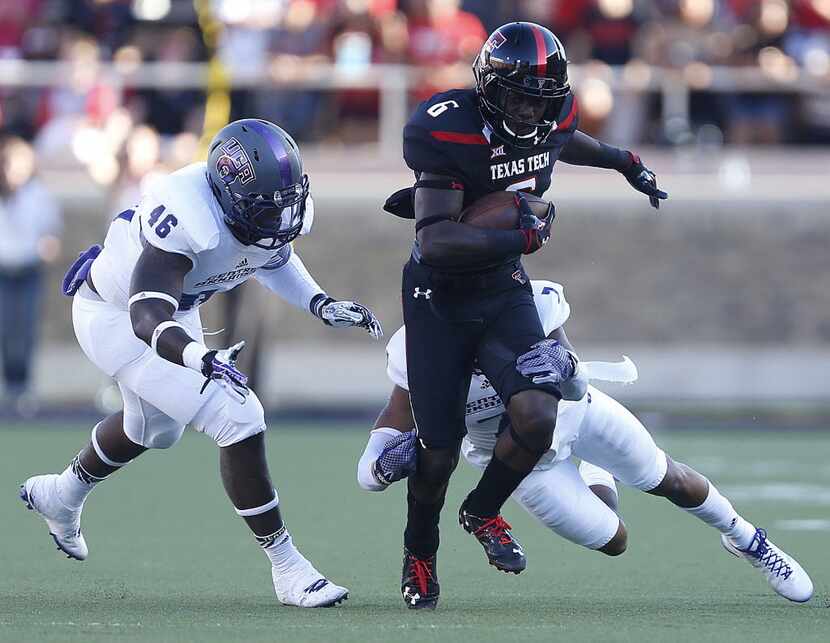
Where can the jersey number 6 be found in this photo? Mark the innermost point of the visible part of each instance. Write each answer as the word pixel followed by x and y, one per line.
pixel 167 224
pixel 440 108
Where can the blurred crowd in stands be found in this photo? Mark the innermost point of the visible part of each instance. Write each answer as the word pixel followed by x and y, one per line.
pixel 286 38
pixel 123 134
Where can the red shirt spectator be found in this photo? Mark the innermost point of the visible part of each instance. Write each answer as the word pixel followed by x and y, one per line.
pixel 441 35
pixel 15 17
pixel 806 16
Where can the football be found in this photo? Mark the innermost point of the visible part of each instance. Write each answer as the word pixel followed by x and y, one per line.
pixel 498 210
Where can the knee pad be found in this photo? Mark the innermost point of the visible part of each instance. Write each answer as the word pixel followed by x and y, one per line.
pixel 151 428
pixel 227 421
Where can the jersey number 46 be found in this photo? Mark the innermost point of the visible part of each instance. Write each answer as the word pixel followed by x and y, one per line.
pixel 165 226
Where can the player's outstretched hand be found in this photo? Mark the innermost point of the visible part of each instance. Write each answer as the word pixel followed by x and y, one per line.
pixel 348 313
pixel 549 361
pixel 220 366
pixel 535 230
pixel 397 460
pixel 644 180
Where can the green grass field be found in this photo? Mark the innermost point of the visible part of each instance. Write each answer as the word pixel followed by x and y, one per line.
pixel 171 561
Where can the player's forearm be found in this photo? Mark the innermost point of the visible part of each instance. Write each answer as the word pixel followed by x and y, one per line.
pixel 292 282
pixel 585 150
pixel 452 244
pixel 397 414
pixel 153 323
pixel 155 292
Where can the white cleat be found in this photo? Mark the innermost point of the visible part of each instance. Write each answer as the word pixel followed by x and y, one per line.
pixel 781 570
pixel 304 586
pixel 41 495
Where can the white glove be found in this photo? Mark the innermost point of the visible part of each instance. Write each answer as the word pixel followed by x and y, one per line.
pixel 341 314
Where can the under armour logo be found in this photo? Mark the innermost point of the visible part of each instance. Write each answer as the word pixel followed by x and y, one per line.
pixel 426 294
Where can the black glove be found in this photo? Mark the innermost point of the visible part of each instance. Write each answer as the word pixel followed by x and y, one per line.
pixel 643 180
pixel 535 230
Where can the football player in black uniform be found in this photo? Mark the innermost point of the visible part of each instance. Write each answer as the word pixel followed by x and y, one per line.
pixel 466 297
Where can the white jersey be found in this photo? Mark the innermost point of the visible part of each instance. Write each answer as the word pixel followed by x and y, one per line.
pixel 178 213
pixel 484 407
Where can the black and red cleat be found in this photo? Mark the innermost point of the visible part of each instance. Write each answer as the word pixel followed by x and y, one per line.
pixel 419 581
pixel 493 532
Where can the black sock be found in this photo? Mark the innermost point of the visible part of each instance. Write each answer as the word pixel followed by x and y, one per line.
pixel 421 533
pixel 494 488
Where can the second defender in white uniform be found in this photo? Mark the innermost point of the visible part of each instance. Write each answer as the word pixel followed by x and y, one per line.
pixel 204 229
pixel 592 426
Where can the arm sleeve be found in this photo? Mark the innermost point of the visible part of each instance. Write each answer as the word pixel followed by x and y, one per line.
pixel 289 278
pixel 584 150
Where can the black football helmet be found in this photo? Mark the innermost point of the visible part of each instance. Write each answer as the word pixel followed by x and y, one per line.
pixel 522 82
pixel 255 171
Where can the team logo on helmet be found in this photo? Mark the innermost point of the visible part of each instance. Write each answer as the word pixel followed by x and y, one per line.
pixel 495 41
pixel 233 163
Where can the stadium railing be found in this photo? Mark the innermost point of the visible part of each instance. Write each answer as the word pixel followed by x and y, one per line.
pixel 395 82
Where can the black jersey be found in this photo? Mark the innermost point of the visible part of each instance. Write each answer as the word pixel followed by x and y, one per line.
pixel 447 135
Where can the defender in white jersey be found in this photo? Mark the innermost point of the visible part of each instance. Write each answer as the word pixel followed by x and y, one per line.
pixel 204 229
pixel 591 425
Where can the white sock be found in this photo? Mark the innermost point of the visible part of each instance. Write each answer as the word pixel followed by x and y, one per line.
pixel 75 484
pixel 718 512
pixel 377 439
pixel 283 555
pixel 592 475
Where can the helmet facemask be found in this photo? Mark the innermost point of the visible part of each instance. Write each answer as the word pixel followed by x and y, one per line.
pixel 521 108
pixel 267 220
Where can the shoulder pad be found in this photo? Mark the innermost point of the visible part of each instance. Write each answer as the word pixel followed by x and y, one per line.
pixel 188 207
pixel 453 110
pixel 440 132
pixel 570 120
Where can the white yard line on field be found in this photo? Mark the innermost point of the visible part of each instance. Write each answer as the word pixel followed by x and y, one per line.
pixel 806 524
pixel 794 492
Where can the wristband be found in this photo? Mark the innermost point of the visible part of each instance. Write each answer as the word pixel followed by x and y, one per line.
pixel 192 355
pixel 317 302
pixel 163 326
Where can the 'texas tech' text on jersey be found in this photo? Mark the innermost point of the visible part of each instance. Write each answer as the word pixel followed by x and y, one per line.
pixel 447 135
